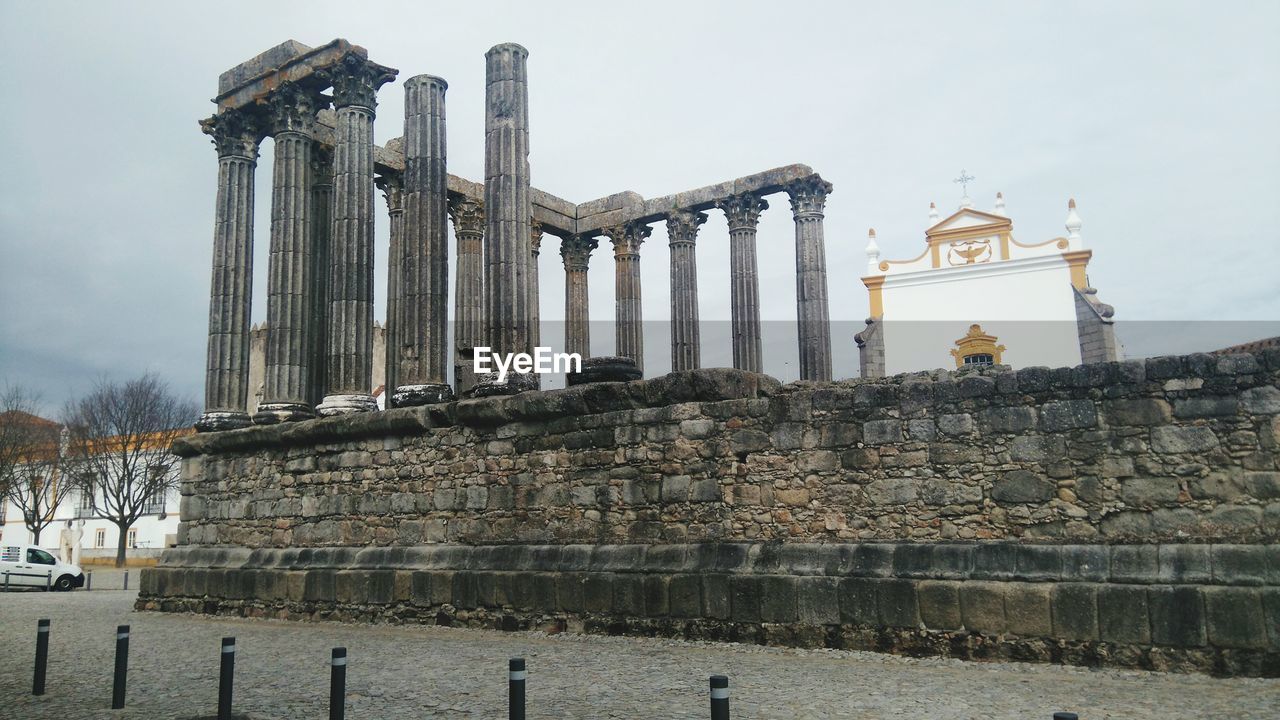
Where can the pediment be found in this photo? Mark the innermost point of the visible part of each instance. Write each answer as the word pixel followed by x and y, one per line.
pixel 968 218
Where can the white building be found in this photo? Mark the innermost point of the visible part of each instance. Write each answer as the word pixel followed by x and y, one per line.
pixel 976 295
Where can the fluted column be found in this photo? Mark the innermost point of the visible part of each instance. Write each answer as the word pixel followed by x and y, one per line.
pixel 423 352
pixel 535 310
pixel 284 389
pixel 576 252
pixel 392 187
pixel 629 319
pixel 355 88
pixel 468 304
pixel 506 199
pixel 236 135
pixel 743 215
pixel 321 230
pixel 808 199
pixel 682 233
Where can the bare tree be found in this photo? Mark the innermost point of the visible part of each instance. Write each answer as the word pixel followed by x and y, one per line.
pixel 119 438
pixel 32 451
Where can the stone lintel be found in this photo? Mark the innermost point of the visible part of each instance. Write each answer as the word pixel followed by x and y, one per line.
pixel 254 80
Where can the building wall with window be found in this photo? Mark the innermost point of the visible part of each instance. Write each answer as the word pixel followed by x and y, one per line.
pixel 976 295
pixel 153 531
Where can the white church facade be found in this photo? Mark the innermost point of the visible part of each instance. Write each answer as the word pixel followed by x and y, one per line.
pixel 976 295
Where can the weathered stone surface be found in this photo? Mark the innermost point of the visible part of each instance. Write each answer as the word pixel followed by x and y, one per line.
pixel 1183 439
pixel 1021 486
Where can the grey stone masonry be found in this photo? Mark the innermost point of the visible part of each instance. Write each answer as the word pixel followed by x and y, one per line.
pixel 468 304
pixel 629 319
pixel 355 87
pixel 392 187
pixel 506 199
pixel 321 231
pixel 1095 327
pixel 236 135
pixel 808 199
pixel 871 349
pixel 285 393
pixel 422 351
pixel 535 312
pixel 743 215
pixel 576 252
pixel 682 234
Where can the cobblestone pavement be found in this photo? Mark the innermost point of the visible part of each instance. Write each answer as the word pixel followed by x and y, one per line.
pixel 403 672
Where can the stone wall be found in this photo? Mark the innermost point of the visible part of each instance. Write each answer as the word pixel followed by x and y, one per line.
pixel 1153 476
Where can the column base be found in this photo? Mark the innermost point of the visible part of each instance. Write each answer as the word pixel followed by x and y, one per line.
pixel 280 412
pixel 424 394
pixel 218 420
pixel 605 369
pixel 346 404
pixel 487 384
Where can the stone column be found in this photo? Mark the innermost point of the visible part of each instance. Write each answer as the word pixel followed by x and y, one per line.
pixel 284 388
pixel 629 320
pixel 423 336
pixel 535 312
pixel 236 135
pixel 576 252
pixel 682 232
pixel 743 214
pixel 506 201
pixel 392 187
pixel 808 198
pixel 321 229
pixel 468 304
pixel 355 88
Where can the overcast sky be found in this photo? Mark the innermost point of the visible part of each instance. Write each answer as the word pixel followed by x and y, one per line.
pixel 1159 118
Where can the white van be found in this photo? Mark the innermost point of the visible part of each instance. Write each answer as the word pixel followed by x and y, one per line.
pixel 29 566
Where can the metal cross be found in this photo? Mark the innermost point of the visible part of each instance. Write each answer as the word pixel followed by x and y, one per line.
pixel 964 181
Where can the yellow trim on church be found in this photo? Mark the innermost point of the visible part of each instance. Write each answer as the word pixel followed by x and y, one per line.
pixel 977 342
pixel 1078 261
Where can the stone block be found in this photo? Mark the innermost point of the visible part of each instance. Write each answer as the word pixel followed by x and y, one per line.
pixel 1177 616
pixel 1064 415
pixel 995 560
pixel 1038 562
pixel 570 594
pixel 858 604
pixel 873 560
pixel 675 488
pixel 1027 609
pixel 893 491
pixel 748 441
pixel 464 590
pixel 1176 440
pixel 657 595
pixel 1234 617
pixel 1184 564
pixel 913 560
pixel 1135 563
pixel 938 492
pixel 319 586
pixel 923 429
pixel 1263 400
pixel 939 602
pixel 1263 485
pixel 717 599
pixel 1240 564
pixel 1037 448
pixel 1149 492
pixel 1008 419
pixel 1139 411
pixel 881 432
pixel 952 561
pixel 597 592
pixel 897 604
pixel 1206 406
pixel 1122 614
pixel 746 592
pixel 1075 611
pixel 956 425
pixel 1022 486
pixel 777 598
pixel 982 607
pixel 1090 563
pixel 818 600
pixel 628 594
pixel 1271 615
pixel 685 596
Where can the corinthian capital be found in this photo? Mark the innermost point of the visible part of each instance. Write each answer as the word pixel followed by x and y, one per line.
pixel 743 211
pixel 627 238
pixel 356 81
pixel 576 251
pixel 467 216
pixel 235 133
pixel 808 196
pixel 293 107
pixel 535 236
pixel 392 187
pixel 682 226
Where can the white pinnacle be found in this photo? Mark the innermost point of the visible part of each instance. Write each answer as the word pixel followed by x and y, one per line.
pixel 1000 205
pixel 873 253
pixel 933 214
pixel 1073 225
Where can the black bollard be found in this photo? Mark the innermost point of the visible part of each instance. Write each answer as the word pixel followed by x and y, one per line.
pixel 42 656
pixel 338 684
pixel 719 697
pixel 1065 716
pixel 48 581
pixel 225 677
pixel 122 667
pixel 126 579
pixel 88 581
pixel 6 581
pixel 515 688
